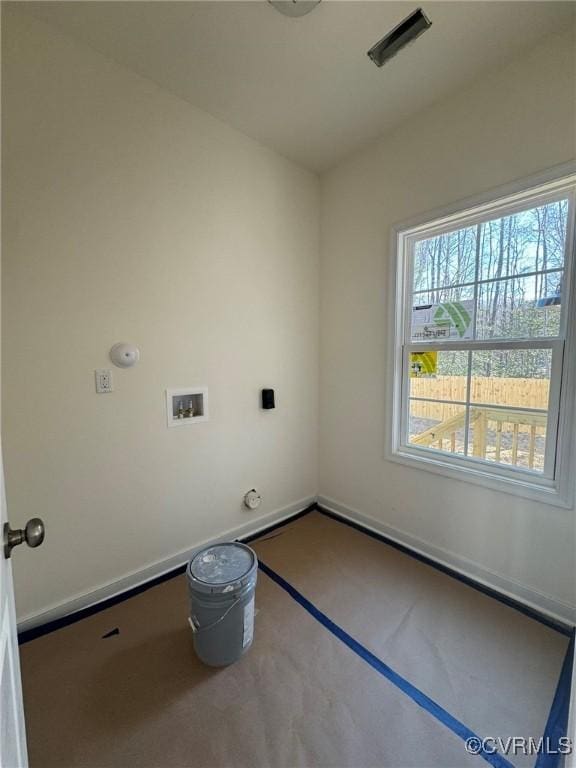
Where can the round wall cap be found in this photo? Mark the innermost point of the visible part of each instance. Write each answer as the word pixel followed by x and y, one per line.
pixel 124 355
pixel 252 499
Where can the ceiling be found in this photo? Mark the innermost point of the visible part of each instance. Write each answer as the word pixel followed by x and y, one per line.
pixel 304 86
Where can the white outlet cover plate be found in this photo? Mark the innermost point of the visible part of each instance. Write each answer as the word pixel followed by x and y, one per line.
pixel 103 378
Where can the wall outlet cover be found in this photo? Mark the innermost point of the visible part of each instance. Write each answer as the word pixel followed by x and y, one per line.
pixel 103 377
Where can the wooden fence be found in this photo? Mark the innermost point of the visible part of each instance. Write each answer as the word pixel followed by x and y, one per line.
pixel 520 393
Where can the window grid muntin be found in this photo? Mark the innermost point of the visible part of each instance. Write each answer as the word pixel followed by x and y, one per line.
pixel 552 411
pixel 491 280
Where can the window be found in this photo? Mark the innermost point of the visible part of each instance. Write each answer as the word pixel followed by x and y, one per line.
pixel 483 371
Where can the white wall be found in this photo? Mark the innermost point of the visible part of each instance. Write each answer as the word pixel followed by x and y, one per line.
pixel 513 123
pixel 131 216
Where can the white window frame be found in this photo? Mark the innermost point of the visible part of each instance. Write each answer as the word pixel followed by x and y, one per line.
pixel 556 484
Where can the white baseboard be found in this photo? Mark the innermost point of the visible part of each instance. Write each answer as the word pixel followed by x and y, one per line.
pixel 152 571
pixel 528 596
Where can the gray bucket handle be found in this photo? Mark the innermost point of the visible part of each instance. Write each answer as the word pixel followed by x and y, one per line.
pixel 197 629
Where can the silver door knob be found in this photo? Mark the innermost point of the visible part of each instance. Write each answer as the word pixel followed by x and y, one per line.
pixel 33 535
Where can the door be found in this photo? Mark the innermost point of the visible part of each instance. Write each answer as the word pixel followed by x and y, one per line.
pixel 12 735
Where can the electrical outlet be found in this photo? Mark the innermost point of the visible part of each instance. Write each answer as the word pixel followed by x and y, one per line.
pixel 103 380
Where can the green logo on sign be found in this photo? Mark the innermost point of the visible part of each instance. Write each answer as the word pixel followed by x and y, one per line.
pixel 453 313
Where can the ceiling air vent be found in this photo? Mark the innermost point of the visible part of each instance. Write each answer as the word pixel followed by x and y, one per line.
pixel 401 35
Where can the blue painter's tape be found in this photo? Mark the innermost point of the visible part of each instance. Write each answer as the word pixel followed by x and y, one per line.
pixel 410 690
pixel 557 724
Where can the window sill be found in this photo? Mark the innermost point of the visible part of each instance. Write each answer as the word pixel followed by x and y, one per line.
pixel 545 491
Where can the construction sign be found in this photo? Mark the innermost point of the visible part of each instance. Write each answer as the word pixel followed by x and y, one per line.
pixel 423 364
pixel 449 320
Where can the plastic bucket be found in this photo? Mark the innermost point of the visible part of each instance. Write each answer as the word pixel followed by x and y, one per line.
pixel 221 584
